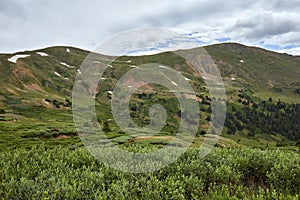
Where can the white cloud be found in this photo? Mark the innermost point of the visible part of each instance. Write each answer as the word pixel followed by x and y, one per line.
pixel 85 24
pixel 266 24
pixel 292 51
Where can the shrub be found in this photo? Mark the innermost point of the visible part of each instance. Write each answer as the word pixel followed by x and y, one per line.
pixel 237 173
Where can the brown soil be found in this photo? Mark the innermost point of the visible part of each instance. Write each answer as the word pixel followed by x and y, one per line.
pixel 154 137
pixel 35 87
pixel 61 137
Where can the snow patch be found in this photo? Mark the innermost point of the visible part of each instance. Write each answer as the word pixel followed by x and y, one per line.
pixel 241 61
pixel 16 57
pixel 68 50
pixel 109 92
pixel 66 65
pixel 42 54
pixel 96 61
pixel 133 66
pixel 21 90
pixel 78 70
pixel 128 61
pixel 233 79
pixel 164 67
pixel 57 74
pixel 187 79
pixel 102 78
pixel 204 77
pixel 174 83
pixel 129 86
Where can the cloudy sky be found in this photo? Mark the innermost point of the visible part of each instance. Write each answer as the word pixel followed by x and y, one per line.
pixel 33 24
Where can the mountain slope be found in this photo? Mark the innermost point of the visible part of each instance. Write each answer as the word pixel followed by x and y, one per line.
pixel 53 72
pixel 258 69
pixel 36 87
pixel 43 73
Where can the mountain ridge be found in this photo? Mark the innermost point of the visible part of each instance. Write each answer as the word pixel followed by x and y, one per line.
pixel 260 70
pixel 43 82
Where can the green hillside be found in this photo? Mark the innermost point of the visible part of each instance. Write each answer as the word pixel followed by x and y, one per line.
pixel 255 157
pixel 266 73
pixel 35 95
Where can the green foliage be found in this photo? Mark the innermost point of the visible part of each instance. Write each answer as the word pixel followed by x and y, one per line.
pixel 61 173
pixel 105 127
pixel 264 117
pixel 50 172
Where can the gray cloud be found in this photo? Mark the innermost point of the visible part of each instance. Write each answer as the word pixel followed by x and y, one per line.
pixel 266 24
pixel 30 24
pixel 11 9
pixel 198 11
pixel 287 5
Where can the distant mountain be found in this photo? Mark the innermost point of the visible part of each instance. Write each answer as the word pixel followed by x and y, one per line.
pixel 262 71
pixel 31 76
pixel 253 77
